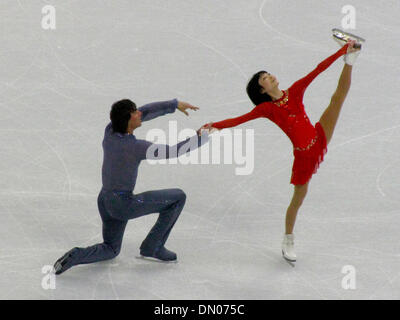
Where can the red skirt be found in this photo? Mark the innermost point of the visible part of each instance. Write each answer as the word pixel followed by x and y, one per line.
pixel 306 162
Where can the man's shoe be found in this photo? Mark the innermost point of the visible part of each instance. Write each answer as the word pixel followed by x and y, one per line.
pixel 161 255
pixel 65 262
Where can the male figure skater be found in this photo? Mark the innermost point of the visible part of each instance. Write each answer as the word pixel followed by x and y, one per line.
pixel 123 153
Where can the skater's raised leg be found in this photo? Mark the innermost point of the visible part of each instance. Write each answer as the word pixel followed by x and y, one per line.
pixel 331 114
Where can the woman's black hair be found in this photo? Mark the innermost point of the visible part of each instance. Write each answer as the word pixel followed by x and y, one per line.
pixel 120 114
pixel 254 90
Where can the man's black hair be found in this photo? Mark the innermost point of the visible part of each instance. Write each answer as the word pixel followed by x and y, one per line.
pixel 120 114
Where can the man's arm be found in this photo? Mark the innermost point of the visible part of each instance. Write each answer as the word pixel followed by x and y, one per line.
pixel 157 109
pixel 147 150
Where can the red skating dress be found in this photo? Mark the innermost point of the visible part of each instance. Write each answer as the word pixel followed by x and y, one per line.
pixel 309 142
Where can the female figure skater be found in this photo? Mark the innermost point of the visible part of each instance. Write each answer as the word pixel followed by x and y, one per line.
pixel 286 109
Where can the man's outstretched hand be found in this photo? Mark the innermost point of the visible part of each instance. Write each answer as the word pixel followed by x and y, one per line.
pixel 183 106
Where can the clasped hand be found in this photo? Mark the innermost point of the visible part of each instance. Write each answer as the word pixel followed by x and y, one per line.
pixel 184 106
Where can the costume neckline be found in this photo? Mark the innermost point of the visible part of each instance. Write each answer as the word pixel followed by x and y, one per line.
pixel 282 100
pixel 283 96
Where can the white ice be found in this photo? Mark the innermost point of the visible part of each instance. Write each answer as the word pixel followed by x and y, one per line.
pixel 56 89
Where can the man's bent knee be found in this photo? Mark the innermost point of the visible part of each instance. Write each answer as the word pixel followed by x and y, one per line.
pixel 114 250
pixel 181 194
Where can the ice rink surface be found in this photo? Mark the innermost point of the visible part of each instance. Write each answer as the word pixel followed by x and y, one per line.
pixel 56 89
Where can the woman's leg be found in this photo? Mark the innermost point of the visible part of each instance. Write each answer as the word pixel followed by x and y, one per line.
pixel 300 192
pixel 331 114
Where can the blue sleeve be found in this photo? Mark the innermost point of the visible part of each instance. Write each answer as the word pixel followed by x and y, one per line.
pixel 148 150
pixel 108 130
pixel 157 109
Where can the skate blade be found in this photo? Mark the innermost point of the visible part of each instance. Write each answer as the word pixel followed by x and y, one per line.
pixel 57 267
pixel 291 262
pixel 344 36
pixel 151 259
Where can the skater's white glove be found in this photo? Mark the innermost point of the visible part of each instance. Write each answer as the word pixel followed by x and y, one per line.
pixel 352 53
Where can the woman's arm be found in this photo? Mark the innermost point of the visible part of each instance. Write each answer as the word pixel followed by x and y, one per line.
pixel 301 85
pixel 262 110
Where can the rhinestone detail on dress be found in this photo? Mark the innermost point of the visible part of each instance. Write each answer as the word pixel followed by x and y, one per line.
pixel 283 100
pixel 313 141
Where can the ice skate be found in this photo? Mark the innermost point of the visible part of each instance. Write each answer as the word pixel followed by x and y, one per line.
pixel 65 262
pixel 341 37
pixel 161 255
pixel 288 249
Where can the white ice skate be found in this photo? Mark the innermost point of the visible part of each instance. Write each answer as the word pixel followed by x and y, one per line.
pixel 341 37
pixel 288 248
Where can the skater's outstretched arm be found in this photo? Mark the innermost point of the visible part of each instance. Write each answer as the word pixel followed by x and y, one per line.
pixel 262 110
pixel 147 150
pixel 301 85
pixel 156 109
